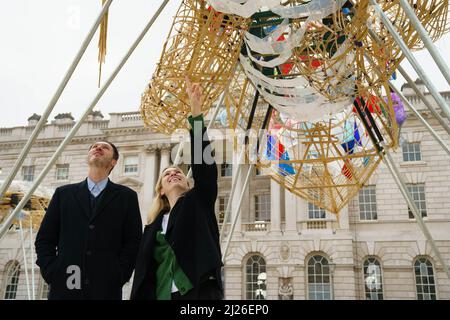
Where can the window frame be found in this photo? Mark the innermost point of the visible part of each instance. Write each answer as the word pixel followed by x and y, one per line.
pixel 12 271
pixel 57 172
pixel 262 268
pixel 322 275
pixel 412 151
pixel 417 259
pixel 133 166
pixel 363 193
pixel 259 210
pixel 421 204
pixel 26 172
pixel 375 259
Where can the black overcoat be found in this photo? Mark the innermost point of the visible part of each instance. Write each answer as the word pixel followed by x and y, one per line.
pixel 102 245
pixel 192 231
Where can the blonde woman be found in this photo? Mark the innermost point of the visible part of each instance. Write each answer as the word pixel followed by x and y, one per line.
pixel 179 257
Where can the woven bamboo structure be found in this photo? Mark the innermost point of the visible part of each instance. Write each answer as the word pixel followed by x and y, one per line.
pixel 432 13
pixel 203 45
pixel 33 211
pixel 327 162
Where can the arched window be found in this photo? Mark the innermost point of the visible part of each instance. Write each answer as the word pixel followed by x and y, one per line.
pixel 425 284
pixel 12 272
pixel 255 278
pixel 319 279
pixel 373 281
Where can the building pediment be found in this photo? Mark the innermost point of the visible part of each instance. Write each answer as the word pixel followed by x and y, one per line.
pixel 133 183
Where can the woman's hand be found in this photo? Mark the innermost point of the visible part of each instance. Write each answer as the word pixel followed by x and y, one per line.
pixel 194 92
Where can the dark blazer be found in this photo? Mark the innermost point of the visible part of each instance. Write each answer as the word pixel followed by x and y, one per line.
pixel 103 244
pixel 192 232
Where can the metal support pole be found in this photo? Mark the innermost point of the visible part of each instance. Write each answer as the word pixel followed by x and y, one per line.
pixel 405 75
pixel 408 54
pixel 231 196
pixel 25 264
pixel 424 122
pixel 73 131
pixel 387 159
pixel 32 259
pixel 426 40
pixel 250 169
pixel 53 101
pixel 236 215
pixel 422 97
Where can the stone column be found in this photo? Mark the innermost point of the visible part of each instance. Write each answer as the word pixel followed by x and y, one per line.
pixel 150 178
pixel 165 157
pixel 291 208
pixel 275 207
pixel 237 194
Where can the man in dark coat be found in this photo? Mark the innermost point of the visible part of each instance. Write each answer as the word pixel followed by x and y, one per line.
pixel 89 237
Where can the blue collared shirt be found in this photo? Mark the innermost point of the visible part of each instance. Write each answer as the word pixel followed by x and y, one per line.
pixel 96 188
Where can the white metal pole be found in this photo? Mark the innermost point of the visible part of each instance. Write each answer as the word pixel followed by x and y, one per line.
pixel 424 122
pixel 25 264
pixel 426 40
pixel 387 159
pixel 236 172
pixel 236 215
pixel 53 101
pixel 427 103
pixel 419 93
pixel 408 54
pixel 32 259
pixel 73 131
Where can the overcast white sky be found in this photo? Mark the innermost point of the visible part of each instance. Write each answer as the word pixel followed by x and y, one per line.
pixel 39 40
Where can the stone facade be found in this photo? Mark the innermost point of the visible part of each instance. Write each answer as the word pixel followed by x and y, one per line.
pixel 284 246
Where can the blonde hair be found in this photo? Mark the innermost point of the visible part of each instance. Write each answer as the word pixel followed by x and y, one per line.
pixel 160 202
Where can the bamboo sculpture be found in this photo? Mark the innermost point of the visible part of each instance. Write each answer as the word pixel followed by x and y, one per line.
pixel 203 45
pixel 33 211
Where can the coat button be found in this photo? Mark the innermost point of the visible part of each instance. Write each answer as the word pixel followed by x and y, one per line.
pixel 88 253
pixel 91 226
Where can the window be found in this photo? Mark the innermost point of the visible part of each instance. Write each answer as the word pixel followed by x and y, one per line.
pixel 411 151
pixel 28 173
pixel 62 171
pixel 311 155
pixel 12 272
pixel 226 170
pixel 368 203
pixel 43 290
pixel 319 280
pixel 373 282
pixel 258 171
pixel 131 164
pixel 262 207
pixel 425 284
pixel 223 202
pixel 255 278
pixel 417 192
pixel 315 212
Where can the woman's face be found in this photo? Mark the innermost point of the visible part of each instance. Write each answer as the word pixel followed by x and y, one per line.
pixel 173 179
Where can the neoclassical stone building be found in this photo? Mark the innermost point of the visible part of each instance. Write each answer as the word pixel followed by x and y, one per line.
pixel 282 247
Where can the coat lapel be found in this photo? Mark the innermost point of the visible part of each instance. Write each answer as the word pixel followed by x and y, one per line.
pixel 83 198
pixel 109 193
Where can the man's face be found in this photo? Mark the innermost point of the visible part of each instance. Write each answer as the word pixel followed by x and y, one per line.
pixel 101 155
